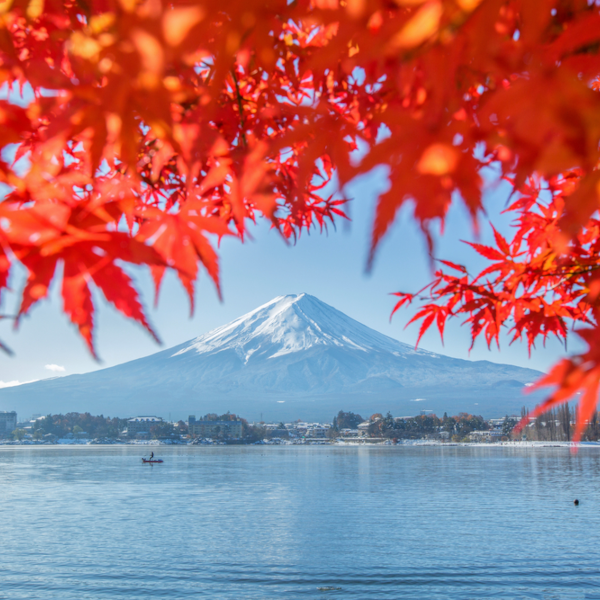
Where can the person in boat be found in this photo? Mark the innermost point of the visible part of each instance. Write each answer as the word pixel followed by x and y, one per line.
pixel 151 455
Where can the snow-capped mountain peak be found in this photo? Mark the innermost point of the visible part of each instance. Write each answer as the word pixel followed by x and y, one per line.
pixel 293 323
pixel 294 357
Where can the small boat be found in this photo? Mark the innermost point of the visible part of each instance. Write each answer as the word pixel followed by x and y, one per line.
pixel 152 460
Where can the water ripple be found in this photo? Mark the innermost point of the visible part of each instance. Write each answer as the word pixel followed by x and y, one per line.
pixel 264 523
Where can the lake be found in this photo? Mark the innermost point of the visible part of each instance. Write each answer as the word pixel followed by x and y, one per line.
pixel 256 522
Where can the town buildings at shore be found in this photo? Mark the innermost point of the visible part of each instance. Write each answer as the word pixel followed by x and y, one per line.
pixel 208 428
pixel 141 427
pixel 345 427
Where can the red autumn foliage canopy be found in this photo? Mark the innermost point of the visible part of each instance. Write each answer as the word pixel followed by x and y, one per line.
pixel 156 127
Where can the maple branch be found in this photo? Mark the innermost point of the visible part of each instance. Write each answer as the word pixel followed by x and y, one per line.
pixel 240 108
pixel 85 7
pixel 210 72
pixel 3 346
pixel 568 275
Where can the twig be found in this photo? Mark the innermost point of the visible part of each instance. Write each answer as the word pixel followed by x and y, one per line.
pixel 240 108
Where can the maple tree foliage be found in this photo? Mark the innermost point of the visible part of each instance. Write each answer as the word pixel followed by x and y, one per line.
pixel 154 128
pixel 538 283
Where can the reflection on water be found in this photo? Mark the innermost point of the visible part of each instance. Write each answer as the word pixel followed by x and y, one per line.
pixel 282 522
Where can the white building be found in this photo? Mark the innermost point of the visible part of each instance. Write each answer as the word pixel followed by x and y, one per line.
pixel 493 435
pixel 317 431
pixel 363 428
pixel 141 425
pixel 349 432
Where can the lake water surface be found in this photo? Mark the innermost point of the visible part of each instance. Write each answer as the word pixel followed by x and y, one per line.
pixel 252 522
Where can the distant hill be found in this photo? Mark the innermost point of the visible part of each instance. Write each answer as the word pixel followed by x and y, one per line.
pixel 294 357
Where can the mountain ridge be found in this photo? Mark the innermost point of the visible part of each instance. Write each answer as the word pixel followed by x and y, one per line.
pixel 294 352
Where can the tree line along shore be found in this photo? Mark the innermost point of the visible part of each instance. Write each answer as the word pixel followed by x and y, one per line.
pixel 556 425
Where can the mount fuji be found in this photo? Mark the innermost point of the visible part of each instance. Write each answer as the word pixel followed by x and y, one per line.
pixel 294 357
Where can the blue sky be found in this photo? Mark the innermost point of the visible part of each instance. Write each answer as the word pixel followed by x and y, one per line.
pixel 330 266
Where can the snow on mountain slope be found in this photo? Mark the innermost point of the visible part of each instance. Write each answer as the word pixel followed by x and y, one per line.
pixel 298 344
pixel 294 352
pixel 294 323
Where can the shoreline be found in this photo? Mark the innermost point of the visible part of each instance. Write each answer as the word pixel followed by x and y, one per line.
pixel 340 444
